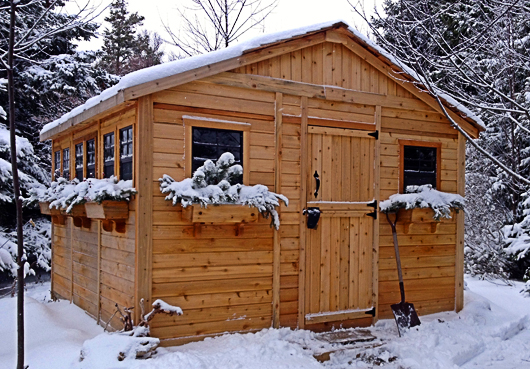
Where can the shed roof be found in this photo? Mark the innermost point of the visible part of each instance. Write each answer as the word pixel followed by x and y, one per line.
pixel 117 94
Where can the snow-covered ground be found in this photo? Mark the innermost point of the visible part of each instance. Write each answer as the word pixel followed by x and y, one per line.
pixel 493 331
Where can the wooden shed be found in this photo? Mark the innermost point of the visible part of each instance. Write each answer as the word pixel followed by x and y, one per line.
pixel 320 100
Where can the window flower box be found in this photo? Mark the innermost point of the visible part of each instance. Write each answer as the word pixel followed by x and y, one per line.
pixel 224 213
pixel 108 210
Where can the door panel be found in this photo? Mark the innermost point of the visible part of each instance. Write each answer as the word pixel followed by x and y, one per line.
pixel 339 251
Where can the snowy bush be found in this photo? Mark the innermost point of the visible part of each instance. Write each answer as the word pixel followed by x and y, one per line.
pixel 424 197
pixel 517 241
pixel 486 214
pixel 64 194
pixel 212 184
pixel 37 245
pixel 30 171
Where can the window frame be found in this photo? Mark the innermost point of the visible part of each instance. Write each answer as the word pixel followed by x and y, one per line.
pixel 54 165
pixel 436 145
pixel 75 160
pixel 190 122
pixel 116 129
pixel 118 151
pixel 103 135
pixel 84 140
pixel 69 162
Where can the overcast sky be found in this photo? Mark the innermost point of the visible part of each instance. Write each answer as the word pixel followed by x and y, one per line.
pixel 288 14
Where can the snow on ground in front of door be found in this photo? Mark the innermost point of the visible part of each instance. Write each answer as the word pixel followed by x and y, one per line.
pixel 493 331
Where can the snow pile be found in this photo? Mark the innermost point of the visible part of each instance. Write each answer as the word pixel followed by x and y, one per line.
pixel 55 331
pixel 64 194
pixel 107 350
pixel 211 184
pixel 183 65
pixel 424 197
pixel 493 331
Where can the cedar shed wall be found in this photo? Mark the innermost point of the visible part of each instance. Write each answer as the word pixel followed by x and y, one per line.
pixel 428 258
pixel 224 282
pixel 91 261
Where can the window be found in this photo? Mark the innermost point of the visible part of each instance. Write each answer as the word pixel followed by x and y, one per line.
pixel 91 158
pixel 420 163
pixel 108 155
pixel 210 143
pixel 57 163
pixel 66 163
pixel 79 161
pixel 126 153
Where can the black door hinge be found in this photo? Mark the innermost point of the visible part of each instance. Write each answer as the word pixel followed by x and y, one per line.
pixel 373 214
pixel 374 134
pixel 372 204
pixel 371 311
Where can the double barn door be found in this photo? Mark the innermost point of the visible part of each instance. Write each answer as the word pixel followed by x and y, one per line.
pixel 339 251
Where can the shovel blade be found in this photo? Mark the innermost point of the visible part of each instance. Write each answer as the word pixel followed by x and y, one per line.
pixel 405 316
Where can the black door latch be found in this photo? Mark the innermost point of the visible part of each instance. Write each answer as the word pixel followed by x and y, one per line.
pixel 313 215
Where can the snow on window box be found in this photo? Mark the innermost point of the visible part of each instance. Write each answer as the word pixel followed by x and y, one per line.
pixel 65 195
pixel 422 197
pixel 211 185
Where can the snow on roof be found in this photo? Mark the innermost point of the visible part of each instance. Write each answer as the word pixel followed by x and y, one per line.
pixel 183 65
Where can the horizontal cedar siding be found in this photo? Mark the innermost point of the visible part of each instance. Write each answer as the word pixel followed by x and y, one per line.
pixel 222 282
pixel 428 259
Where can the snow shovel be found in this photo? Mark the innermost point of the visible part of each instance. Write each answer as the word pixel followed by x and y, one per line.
pixel 404 312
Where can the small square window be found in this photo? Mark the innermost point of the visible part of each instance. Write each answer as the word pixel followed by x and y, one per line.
pixel 108 155
pixel 210 143
pixel 66 163
pixel 420 166
pixel 91 158
pixel 79 161
pixel 126 153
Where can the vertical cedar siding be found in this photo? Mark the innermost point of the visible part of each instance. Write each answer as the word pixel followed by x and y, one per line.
pixel 334 64
pixel 75 261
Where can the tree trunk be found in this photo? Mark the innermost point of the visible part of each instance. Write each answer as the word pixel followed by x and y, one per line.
pixel 16 187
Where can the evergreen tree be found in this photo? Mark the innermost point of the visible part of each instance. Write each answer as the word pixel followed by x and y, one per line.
pixel 123 50
pixel 50 79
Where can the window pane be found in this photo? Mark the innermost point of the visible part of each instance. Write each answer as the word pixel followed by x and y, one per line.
pixel 419 166
pixel 210 143
pixel 79 161
pixel 126 153
pixel 108 153
pixel 91 158
pixel 66 163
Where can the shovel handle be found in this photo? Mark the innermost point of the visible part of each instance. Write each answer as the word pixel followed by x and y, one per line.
pixel 398 259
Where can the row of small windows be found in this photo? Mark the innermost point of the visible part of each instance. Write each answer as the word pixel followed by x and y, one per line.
pixel 125 155
pixel 420 165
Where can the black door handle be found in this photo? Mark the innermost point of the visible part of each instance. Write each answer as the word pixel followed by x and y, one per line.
pixel 317 178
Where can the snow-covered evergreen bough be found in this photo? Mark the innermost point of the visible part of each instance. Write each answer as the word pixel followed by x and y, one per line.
pixel 64 194
pixel 214 184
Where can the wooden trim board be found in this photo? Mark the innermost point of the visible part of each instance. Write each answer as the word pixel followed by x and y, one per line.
pixel 144 203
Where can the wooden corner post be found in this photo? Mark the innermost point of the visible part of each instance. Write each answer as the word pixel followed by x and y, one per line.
pixel 304 157
pixel 143 167
pixel 459 257
pixel 377 198
pixel 277 187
